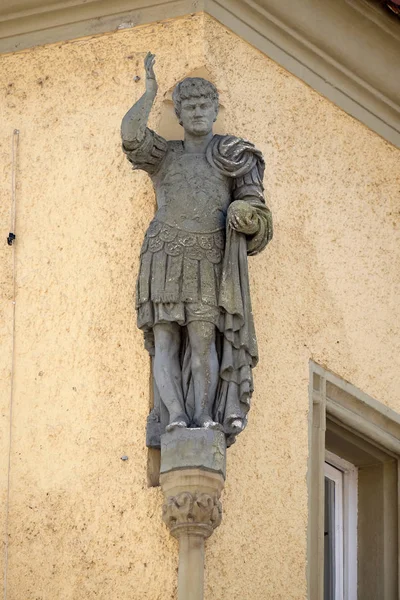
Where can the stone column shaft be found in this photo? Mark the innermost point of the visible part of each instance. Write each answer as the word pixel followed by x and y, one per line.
pixel 191 567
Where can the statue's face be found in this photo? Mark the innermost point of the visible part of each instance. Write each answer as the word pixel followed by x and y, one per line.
pixel 197 115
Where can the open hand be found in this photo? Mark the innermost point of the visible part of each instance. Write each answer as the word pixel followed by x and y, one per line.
pixel 151 82
pixel 243 217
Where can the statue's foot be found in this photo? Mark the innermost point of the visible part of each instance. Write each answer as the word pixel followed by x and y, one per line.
pixel 237 426
pixel 178 421
pixel 204 420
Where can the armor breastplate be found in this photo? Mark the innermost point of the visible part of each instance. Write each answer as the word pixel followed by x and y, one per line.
pixel 191 195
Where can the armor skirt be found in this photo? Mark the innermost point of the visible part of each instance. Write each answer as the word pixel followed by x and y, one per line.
pixel 179 276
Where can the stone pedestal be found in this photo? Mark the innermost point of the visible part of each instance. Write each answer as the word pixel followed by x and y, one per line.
pixel 192 478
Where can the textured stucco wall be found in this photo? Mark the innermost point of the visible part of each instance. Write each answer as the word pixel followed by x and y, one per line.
pixel 83 524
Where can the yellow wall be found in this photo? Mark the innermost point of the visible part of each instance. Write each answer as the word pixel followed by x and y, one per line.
pixel 83 524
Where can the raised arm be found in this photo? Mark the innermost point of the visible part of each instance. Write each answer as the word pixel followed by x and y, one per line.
pixel 144 148
pixel 134 123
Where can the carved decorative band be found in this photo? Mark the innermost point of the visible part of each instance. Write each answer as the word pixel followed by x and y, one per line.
pixel 196 513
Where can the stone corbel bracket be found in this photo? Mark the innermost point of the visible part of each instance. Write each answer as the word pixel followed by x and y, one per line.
pixel 192 478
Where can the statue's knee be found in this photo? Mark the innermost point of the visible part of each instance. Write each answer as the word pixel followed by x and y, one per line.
pixel 202 336
pixel 196 363
pixel 167 350
pixel 167 340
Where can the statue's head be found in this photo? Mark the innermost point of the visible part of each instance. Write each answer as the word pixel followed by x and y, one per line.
pixel 196 105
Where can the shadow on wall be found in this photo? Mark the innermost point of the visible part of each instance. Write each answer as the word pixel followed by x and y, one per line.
pixel 169 127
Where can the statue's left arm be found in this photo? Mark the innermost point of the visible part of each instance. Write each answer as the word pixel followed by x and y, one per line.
pixel 240 160
pixel 248 212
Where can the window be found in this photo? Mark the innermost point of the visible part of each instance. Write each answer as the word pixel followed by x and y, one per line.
pixel 353 493
pixel 340 529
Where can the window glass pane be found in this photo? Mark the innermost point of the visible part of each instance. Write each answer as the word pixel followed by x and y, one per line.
pixel 329 540
pixel 334 540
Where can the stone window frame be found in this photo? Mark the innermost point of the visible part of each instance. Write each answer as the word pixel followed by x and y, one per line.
pixel 346 421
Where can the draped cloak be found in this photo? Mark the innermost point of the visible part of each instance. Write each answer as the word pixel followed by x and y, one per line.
pixel 243 165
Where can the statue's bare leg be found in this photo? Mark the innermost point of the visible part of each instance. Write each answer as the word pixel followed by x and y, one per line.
pixel 167 372
pixel 205 371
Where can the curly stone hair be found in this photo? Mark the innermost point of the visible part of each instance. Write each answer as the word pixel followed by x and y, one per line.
pixel 193 87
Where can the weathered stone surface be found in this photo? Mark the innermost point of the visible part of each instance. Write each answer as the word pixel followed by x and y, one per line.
pixel 193 448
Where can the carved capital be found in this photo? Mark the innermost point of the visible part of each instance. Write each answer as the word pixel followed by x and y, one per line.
pixel 197 513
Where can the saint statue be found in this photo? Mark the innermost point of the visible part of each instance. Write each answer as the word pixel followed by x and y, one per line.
pixel 192 295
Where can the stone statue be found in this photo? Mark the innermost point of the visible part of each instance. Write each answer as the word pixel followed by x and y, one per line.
pixel 192 296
